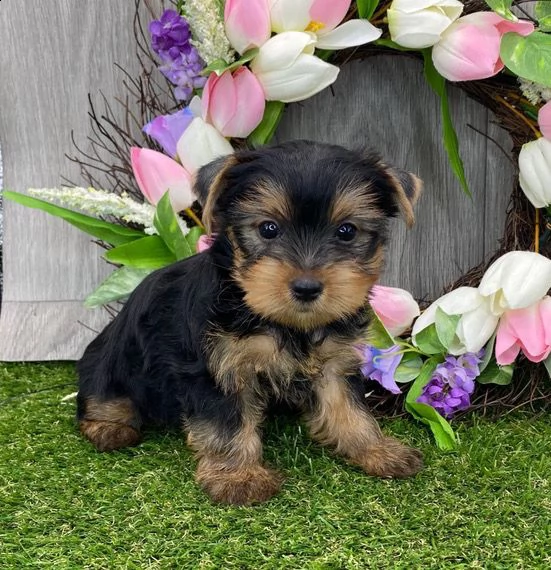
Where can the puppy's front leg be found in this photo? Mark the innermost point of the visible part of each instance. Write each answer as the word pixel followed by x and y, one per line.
pixel 230 468
pixel 339 419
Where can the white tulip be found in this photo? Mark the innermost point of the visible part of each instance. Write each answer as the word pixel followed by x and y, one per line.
pixel 420 23
pixel 534 162
pixel 288 71
pixel 516 280
pixel 476 325
pixel 200 144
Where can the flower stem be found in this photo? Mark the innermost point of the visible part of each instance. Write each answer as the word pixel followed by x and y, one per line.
pixel 189 212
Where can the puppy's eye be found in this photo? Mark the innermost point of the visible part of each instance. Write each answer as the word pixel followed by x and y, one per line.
pixel 347 232
pixel 268 230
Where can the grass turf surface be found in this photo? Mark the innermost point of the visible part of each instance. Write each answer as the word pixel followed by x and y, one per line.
pixel 63 505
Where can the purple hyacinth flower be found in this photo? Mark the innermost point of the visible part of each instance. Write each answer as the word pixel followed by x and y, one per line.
pixel 167 129
pixel 452 383
pixel 380 365
pixel 171 30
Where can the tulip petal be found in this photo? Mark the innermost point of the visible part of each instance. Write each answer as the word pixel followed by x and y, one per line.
pixel 516 280
pixel 247 23
pixel 528 328
pixel 475 329
pixel 396 308
pixel 289 15
pixel 351 33
pixel 534 163
pixel 167 129
pixel 282 50
pixel 156 173
pixel 219 100
pixel 329 12
pixel 455 7
pixel 544 120
pixel 200 144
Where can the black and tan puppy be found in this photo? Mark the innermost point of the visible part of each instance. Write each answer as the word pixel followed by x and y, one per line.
pixel 270 313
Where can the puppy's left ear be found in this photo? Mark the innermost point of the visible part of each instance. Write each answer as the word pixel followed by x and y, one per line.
pixel 407 189
pixel 209 184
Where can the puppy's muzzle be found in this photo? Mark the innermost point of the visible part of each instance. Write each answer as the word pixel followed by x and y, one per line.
pixel 306 289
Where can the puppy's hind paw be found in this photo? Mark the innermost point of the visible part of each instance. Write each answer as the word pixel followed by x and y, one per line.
pixel 392 459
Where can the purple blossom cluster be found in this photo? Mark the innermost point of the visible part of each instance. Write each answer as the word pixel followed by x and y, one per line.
pixel 452 383
pixel 180 61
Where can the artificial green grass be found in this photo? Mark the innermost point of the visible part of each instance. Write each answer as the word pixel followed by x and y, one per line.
pixel 63 505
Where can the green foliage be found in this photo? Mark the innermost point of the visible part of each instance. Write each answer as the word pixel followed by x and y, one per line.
pixel 528 56
pixel 193 237
pixel 503 8
pixel 451 143
pixel 166 223
pixel 409 368
pixel 366 8
pixel 547 364
pixel 220 66
pixel 446 326
pixel 543 14
pixel 150 252
pixel 441 429
pixel 428 341
pixel 116 287
pixel 267 127
pixel 377 335
pixel 495 374
pixel 113 234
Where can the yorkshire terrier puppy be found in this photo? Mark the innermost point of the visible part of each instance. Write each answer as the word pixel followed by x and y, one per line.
pixel 270 313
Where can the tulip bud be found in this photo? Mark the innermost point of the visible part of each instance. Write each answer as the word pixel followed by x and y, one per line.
pixel 544 120
pixel 233 103
pixel 534 163
pixel 167 129
pixel 396 308
pixel 247 23
pixel 420 23
pixel 288 71
pixel 156 173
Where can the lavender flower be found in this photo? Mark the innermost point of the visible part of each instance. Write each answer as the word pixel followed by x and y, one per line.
pixel 450 388
pixel 167 129
pixel 380 365
pixel 181 63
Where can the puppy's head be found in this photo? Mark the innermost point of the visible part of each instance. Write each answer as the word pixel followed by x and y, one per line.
pixel 307 223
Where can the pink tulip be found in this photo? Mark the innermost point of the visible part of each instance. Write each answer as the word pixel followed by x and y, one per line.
pixel 396 308
pixel 247 23
pixel 544 120
pixel 528 330
pixel 205 242
pixel 329 12
pixel 233 103
pixel 156 173
pixel 469 48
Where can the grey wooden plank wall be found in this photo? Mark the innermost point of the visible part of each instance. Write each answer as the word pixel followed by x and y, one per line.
pixel 59 51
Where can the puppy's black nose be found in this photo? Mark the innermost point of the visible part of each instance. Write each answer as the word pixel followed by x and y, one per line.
pixel 306 288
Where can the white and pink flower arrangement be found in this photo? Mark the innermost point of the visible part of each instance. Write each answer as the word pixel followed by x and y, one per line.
pixel 234 64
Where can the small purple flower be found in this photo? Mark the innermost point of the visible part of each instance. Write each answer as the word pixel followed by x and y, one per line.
pixel 170 31
pixel 167 129
pixel 450 388
pixel 380 365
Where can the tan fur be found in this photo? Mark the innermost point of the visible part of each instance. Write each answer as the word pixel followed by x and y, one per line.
pixel 405 201
pixel 270 202
pixel 214 192
pixel 110 424
pixel 354 202
pixel 346 287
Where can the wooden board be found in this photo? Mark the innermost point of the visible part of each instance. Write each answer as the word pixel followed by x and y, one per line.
pixel 60 51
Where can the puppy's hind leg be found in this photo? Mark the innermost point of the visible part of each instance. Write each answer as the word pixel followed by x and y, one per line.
pixel 109 424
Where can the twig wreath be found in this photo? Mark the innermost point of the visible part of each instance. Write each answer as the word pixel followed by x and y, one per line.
pixel 231 67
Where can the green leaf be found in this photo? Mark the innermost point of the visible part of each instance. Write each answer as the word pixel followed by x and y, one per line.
pixel 488 353
pixel 443 433
pixel 428 341
pixel 150 252
pixel 451 143
pixel 166 223
pixel 366 8
pixel 267 127
pixel 193 237
pixel 446 325
pixel 528 57
pixel 385 42
pixel 116 287
pixel 377 335
pixel 220 66
pixel 495 374
pixel 113 234
pixel 543 15
pixel 409 368
pixel 503 8
pixel 547 364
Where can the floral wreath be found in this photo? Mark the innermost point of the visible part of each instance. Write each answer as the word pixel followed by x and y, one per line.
pixel 232 66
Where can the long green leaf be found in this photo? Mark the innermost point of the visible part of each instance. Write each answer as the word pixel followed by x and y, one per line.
pixel 449 136
pixel 113 234
pixel 150 252
pixel 543 14
pixel 503 8
pixel 377 335
pixel 166 223
pixel 116 287
pixel 366 8
pixel 528 56
pixel 193 237
pixel 220 66
pixel 547 364
pixel 267 127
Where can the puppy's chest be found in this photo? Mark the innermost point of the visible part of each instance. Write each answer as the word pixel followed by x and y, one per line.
pixel 236 361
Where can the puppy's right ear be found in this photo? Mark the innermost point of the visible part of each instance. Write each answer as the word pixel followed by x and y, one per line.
pixel 209 184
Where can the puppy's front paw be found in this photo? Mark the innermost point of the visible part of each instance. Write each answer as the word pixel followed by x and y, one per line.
pixel 390 458
pixel 243 486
